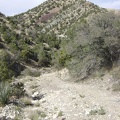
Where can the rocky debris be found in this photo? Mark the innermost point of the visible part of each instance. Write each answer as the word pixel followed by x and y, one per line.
pixel 37 96
pixel 9 112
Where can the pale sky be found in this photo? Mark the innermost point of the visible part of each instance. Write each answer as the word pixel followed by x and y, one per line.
pixel 12 7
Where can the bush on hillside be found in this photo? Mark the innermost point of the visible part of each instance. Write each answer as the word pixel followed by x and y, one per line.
pixel 96 44
pixel 44 57
pixel 5 71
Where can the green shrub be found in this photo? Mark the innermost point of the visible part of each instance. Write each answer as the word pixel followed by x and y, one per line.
pixel 44 57
pixel 24 55
pixel 61 58
pixel 4 93
pixel 5 71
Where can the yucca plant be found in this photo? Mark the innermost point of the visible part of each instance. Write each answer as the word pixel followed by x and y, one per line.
pixel 4 92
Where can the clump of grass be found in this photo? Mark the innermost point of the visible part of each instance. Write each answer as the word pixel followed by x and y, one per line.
pixel 82 96
pixel 26 101
pixel 116 80
pixel 34 116
pixel 37 104
pixel 93 112
pixel 116 86
pixel 100 111
pixel 37 114
pixel 43 115
pixel 5 91
pixel 60 113
pixel 33 73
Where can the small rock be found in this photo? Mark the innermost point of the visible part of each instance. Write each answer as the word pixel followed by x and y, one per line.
pixel 37 96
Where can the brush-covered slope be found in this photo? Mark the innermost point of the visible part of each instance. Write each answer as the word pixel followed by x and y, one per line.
pixel 74 33
pixel 55 16
pixel 9 63
pixel 95 44
pixel 43 27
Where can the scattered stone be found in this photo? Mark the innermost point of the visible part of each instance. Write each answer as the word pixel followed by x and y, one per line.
pixel 9 112
pixel 37 96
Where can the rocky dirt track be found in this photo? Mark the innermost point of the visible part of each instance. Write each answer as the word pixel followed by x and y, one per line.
pixel 65 100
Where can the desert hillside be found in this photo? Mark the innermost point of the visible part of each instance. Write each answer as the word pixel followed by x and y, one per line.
pixel 60 61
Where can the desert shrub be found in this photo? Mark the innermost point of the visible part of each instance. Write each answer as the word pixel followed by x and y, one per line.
pixel 99 111
pixel 53 41
pixel 60 114
pixel 30 72
pixel 5 70
pixel 104 35
pixel 18 89
pixel 63 58
pixel 60 58
pixel 24 55
pixel 5 91
pixel 3 28
pixel 44 57
pixel 13 47
pixel 26 101
pixel 94 44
